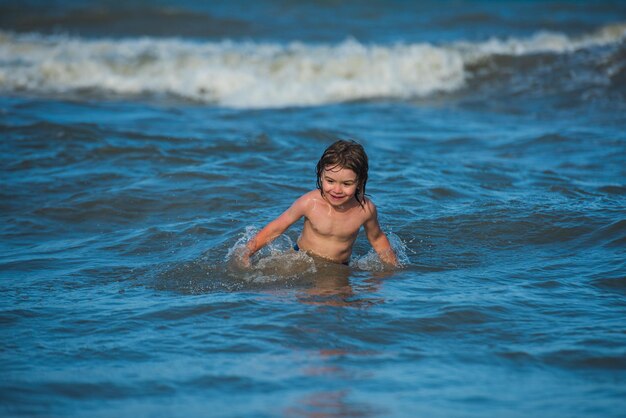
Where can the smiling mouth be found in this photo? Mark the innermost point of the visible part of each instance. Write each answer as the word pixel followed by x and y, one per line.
pixel 336 197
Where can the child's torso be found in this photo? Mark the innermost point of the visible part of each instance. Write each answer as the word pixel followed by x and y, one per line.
pixel 330 233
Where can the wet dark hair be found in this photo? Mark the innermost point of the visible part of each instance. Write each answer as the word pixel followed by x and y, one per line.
pixel 346 154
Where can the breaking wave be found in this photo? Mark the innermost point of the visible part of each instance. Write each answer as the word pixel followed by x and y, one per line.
pixel 260 75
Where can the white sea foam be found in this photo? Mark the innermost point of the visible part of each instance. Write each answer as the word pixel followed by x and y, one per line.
pixel 255 75
pixel 542 42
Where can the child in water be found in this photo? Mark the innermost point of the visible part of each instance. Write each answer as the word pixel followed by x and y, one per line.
pixel 333 213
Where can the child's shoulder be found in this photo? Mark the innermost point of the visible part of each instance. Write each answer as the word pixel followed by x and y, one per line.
pixel 304 200
pixel 312 194
pixel 369 206
pixel 309 196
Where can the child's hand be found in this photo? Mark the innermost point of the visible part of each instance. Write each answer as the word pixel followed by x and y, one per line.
pixel 389 258
pixel 241 257
pixel 244 260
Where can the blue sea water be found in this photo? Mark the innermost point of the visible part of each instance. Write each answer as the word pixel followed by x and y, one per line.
pixel 141 143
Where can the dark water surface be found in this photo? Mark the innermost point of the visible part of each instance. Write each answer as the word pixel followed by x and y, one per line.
pixel 141 144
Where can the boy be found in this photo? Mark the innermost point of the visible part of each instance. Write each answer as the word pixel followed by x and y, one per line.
pixel 333 213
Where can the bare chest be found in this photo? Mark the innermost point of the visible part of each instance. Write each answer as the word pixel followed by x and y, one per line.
pixel 326 222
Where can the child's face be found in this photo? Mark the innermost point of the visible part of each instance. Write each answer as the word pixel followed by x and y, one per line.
pixel 339 185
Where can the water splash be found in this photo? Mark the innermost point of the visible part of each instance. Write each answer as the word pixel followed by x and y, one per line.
pixel 277 261
pixel 372 262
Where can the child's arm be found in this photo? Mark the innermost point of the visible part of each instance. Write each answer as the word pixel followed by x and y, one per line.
pixel 378 239
pixel 273 229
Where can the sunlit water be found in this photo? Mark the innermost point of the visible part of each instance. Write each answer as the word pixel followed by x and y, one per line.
pixel 500 180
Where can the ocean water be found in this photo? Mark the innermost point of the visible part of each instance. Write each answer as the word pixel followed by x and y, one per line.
pixel 140 144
